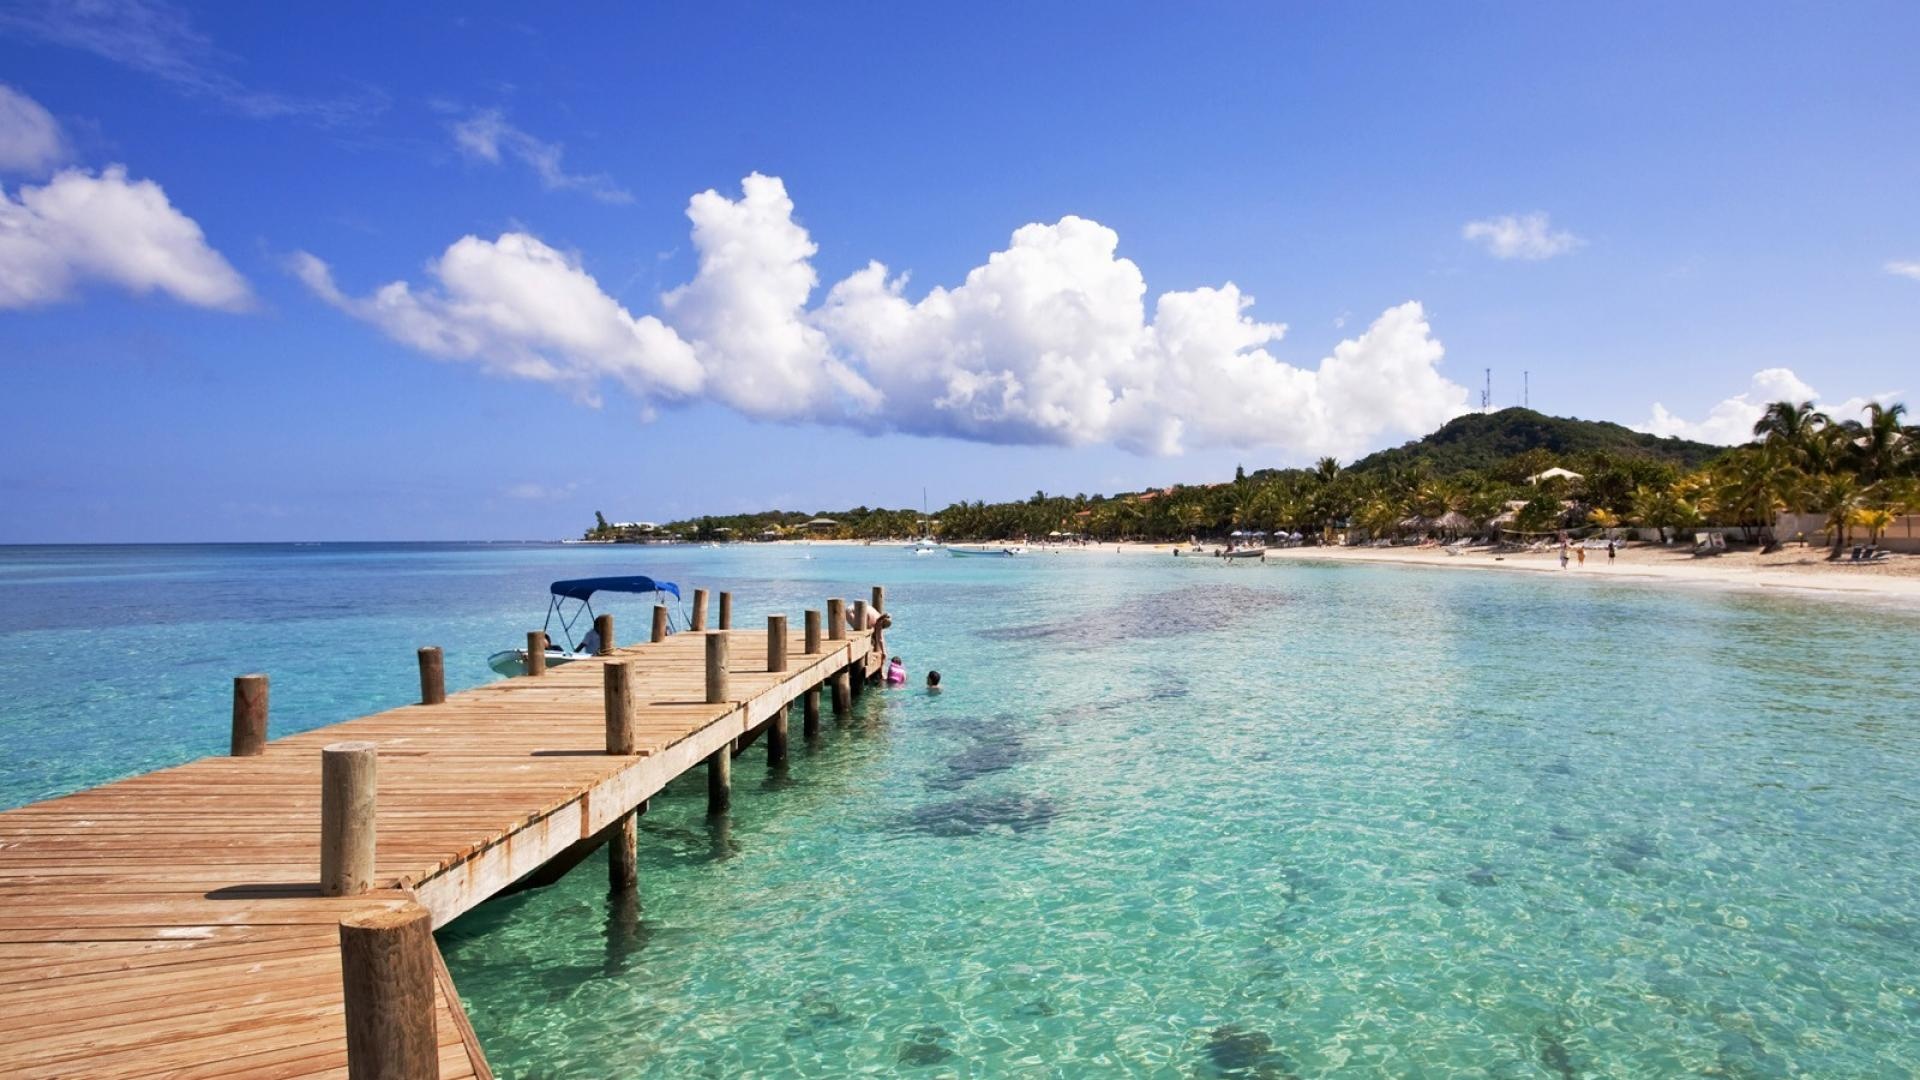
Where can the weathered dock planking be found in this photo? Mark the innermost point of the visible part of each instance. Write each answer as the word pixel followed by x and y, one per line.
pixel 174 923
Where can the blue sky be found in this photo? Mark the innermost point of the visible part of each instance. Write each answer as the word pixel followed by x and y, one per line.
pixel 1698 208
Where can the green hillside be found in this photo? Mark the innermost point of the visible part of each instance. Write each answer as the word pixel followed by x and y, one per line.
pixel 1482 441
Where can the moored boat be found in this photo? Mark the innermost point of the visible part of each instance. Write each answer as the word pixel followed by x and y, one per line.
pixel 576 637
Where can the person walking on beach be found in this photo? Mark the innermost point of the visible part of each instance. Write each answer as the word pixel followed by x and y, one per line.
pixel 1563 554
pixel 1609 553
pixel 1581 551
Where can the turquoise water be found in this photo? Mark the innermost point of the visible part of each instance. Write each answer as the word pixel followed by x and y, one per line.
pixel 1181 819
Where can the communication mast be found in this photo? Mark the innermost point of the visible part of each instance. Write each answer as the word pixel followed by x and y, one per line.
pixel 1486 393
pixel 1523 390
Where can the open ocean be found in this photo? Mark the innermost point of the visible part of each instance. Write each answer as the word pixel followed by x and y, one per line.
pixel 1172 818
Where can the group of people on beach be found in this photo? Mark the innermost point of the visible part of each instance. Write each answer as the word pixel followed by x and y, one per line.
pixel 1581 552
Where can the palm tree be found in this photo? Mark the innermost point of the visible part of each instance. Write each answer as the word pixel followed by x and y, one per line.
pixel 1837 495
pixel 1791 427
pixel 1882 442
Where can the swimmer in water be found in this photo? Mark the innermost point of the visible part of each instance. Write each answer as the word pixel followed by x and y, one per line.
pixel 933 682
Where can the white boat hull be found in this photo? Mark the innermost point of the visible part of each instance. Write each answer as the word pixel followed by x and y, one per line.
pixel 514 661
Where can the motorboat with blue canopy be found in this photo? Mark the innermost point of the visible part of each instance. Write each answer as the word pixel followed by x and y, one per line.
pixel 570 615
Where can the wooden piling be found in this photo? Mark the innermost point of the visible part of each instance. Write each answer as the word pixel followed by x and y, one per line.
pixel 433 675
pixel 536 652
pixel 249 715
pixel 719 655
pixel 842 692
pixel 623 860
pixel 720 780
pixel 699 610
pixel 659 622
pixel 813 632
pixel 860 623
pixel 879 604
pixel 777 662
pixel 349 778
pixel 617 676
pixel 386 978
pixel 726 611
pixel 836 619
pixel 810 713
pixel 604 625
pixel 776 643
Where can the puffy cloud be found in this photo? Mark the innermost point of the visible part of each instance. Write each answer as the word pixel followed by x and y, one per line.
pixel 1520 236
pixel 1730 422
pixel 1906 268
pixel 30 139
pixel 487 136
pixel 1048 342
pixel 520 308
pixel 80 226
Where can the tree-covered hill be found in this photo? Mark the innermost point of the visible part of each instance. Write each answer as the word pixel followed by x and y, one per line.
pixel 1484 441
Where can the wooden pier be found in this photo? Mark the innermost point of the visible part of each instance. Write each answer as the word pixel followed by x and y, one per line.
pixel 175 923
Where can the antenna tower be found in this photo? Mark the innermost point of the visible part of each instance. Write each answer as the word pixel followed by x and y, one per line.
pixel 1524 403
pixel 1486 394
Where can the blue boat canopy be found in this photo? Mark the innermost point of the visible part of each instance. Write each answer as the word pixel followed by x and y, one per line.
pixel 582 588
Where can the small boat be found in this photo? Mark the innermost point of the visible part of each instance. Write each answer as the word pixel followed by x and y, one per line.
pixel 985 552
pixel 1245 553
pixel 565 647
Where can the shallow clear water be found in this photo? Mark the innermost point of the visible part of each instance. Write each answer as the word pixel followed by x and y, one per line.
pixel 1167 818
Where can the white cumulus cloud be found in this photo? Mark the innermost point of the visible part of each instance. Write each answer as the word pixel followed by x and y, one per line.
pixel 1730 422
pixel 1050 341
pixel 81 227
pixel 1520 236
pixel 30 138
pixel 487 136
pixel 1906 268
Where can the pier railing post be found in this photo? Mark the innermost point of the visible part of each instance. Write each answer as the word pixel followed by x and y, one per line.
pixel 536 652
pixel 720 762
pixel 349 779
pixel 433 675
pixel 623 869
pixel 699 610
pixel 879 599
pixel 659 622
pixel 813 632
pixel 618 678
pixel 836 619
pixel 249 715
pixel 603 624
pixel 386 978
pixel 719 655
pixel 726 611
pixel 857 671
pixel 777 662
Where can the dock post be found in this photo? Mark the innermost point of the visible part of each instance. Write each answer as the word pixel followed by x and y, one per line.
pixel 720 762
pixel 857 671
pixel 726 611
pixel 536 652
pixel 249 715
pixel 810 713
pixel 720 780
pixel 623 870
pixel 837 631
pixel 719 655
pixel 699 610
pixel 617 676
pixel 604 624
pixel 879 599
pixel 777 661
pixel 659 622
pixel 349 776
pixel 813 632
pixel 386 980
pixel 433 675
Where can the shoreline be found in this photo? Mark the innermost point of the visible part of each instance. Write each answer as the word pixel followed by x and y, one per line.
pixel 1801 571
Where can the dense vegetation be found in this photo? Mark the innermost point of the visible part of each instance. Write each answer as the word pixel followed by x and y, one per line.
pixel 1476 476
